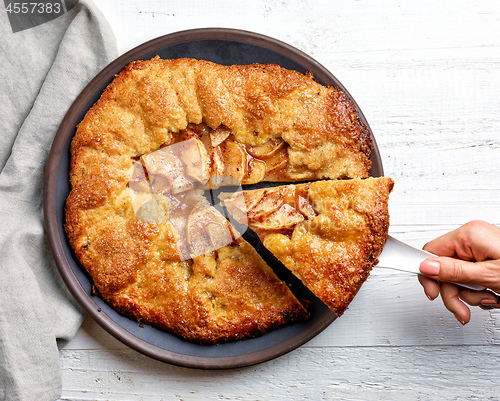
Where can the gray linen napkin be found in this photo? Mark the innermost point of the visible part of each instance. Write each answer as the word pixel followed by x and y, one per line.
pixel 42 71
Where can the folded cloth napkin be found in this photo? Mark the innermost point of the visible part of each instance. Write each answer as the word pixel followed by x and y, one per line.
pixel 43 69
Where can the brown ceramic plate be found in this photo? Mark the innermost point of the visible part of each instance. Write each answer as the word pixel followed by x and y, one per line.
pixel 223 46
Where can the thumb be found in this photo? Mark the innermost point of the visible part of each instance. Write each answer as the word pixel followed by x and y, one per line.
pixel 451 270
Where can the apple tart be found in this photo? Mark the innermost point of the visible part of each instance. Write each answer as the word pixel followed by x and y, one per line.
pixel 145 162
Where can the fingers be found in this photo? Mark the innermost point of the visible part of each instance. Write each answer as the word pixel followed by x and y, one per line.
pixel 451 300
pixel 484 299
pixel 450 294
pixel 431 287
pixel 455 298
pixel 469 254
pixel 445 269
pixel 476 240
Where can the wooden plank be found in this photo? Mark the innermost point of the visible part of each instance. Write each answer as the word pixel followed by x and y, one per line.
pixel 329 28
pixel 390 309
pixel 432 208
pixel 320 373
pixel 426 75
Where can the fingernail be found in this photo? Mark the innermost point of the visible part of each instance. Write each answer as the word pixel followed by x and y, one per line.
pixel 462 322
pixel 490 303
pixel 430 268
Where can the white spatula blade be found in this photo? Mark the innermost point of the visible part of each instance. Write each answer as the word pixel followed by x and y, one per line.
pixel 397 255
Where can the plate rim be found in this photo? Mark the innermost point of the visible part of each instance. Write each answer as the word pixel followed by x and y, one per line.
pixel 50 180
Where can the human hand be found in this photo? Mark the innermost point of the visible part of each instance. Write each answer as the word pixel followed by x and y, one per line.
pixel 469 254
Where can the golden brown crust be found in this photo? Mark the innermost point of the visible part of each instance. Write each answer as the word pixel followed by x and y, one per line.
pixel 224 295
pixel 285 126
pixel 333 244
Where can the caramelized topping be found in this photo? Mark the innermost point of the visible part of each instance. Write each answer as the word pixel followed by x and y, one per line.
pixel 271 209
pixel 166 172
pixel 139 181
pixel 163 183
pixel 235 160
pixel 267 149
pixel 207 230
pixel 215 157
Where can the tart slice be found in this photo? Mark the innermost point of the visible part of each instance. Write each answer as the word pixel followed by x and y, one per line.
pixel 328 233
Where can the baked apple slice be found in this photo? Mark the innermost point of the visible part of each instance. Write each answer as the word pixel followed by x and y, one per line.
pixel 208 230
pixel 166 172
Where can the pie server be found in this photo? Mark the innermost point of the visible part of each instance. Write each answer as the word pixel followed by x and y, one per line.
pixel 397 255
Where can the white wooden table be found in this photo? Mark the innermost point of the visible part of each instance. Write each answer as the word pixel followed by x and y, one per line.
pixel 426 74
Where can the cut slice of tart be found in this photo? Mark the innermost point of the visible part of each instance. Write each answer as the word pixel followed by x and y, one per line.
pixel 328 233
